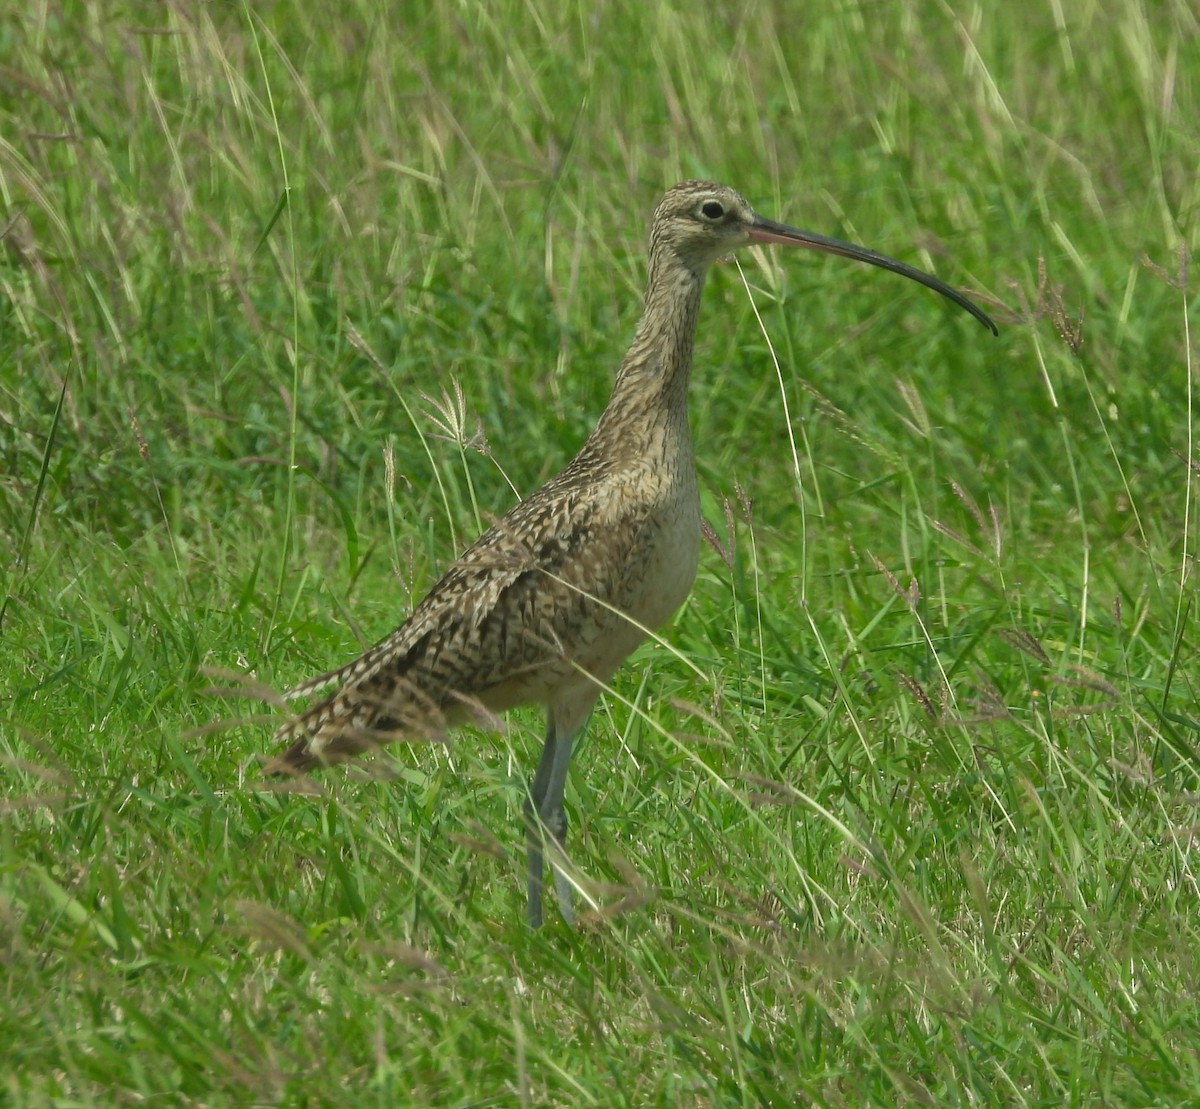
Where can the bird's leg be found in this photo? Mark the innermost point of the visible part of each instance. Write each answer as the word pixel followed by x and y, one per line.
pixel 544 813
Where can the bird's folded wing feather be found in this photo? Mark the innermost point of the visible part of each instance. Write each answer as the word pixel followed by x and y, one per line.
pixel 504 607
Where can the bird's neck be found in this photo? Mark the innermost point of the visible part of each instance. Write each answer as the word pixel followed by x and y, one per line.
pixel 650 393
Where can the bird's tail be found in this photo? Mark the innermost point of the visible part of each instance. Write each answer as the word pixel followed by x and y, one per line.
pixel 369 710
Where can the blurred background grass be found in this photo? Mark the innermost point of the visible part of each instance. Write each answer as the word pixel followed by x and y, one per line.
pixel 295 296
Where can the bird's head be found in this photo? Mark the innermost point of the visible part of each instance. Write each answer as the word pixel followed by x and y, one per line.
pixel 700 221
pixel 697 222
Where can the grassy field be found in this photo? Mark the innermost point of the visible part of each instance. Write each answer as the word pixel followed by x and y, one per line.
pixel 904 808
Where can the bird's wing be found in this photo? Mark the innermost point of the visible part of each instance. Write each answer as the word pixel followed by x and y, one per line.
pixel 503 609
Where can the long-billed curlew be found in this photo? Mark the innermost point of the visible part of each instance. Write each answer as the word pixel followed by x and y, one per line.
pixel 547 603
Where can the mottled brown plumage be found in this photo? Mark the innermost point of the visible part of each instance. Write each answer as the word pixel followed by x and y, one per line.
pixel 546 604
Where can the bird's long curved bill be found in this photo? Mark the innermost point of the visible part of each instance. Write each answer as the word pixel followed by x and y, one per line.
pixel 768 231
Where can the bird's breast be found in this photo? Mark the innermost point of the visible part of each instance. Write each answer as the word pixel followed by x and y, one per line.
pixel 662 519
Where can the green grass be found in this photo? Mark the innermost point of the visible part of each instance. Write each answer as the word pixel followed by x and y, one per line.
pixel 903 810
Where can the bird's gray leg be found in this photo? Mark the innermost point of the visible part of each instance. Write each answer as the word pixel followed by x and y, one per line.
pixel 544 813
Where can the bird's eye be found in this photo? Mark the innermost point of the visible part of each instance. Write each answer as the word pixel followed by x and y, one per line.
pixel 712 209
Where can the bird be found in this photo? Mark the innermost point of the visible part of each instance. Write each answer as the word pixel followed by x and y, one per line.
pixel 549 602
